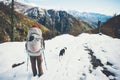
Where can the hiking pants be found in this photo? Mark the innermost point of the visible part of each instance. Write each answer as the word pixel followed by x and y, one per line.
pixel 38 60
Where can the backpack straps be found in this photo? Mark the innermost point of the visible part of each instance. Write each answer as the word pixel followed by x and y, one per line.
pixel 43 43
pixel 31 37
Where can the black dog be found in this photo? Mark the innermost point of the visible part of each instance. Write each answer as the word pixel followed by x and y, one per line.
pixel 62 51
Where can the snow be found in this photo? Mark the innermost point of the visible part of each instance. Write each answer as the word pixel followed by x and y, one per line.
pixel 74 65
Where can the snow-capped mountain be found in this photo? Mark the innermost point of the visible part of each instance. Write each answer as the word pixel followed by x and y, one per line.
pixel 57 21
pixel 21 7
pixel 88 57
pixel 89 17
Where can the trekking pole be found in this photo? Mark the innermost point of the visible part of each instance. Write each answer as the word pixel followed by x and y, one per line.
pixel 45 60
pixel 27 62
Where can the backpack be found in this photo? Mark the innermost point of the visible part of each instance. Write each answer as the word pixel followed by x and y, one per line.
pixel 34 44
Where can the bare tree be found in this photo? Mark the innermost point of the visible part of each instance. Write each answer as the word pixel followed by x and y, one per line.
pixel 11 3
pixel 99 26
pixel 12 20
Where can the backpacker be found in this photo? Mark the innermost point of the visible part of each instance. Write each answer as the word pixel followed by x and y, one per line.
pixel 34 44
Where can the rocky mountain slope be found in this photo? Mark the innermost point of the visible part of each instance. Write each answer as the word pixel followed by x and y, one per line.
pixel 112 27
pixel 21 23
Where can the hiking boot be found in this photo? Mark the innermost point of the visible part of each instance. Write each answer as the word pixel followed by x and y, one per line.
pixel 34 78
pixel 39 75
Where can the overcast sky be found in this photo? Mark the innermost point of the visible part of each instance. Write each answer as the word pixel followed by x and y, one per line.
pixel 109 7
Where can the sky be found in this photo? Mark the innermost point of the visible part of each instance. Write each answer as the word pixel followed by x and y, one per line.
pixel 109 7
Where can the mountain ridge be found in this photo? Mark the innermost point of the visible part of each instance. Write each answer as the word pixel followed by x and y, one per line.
pixel 57 20
pixel 90 17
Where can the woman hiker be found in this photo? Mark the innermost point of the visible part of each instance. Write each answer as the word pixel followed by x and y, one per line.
pixel 34 47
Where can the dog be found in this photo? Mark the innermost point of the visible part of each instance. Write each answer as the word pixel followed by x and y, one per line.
pixel 62 51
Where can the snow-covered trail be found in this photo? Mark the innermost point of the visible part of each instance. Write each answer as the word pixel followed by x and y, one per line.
pixel 74 65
